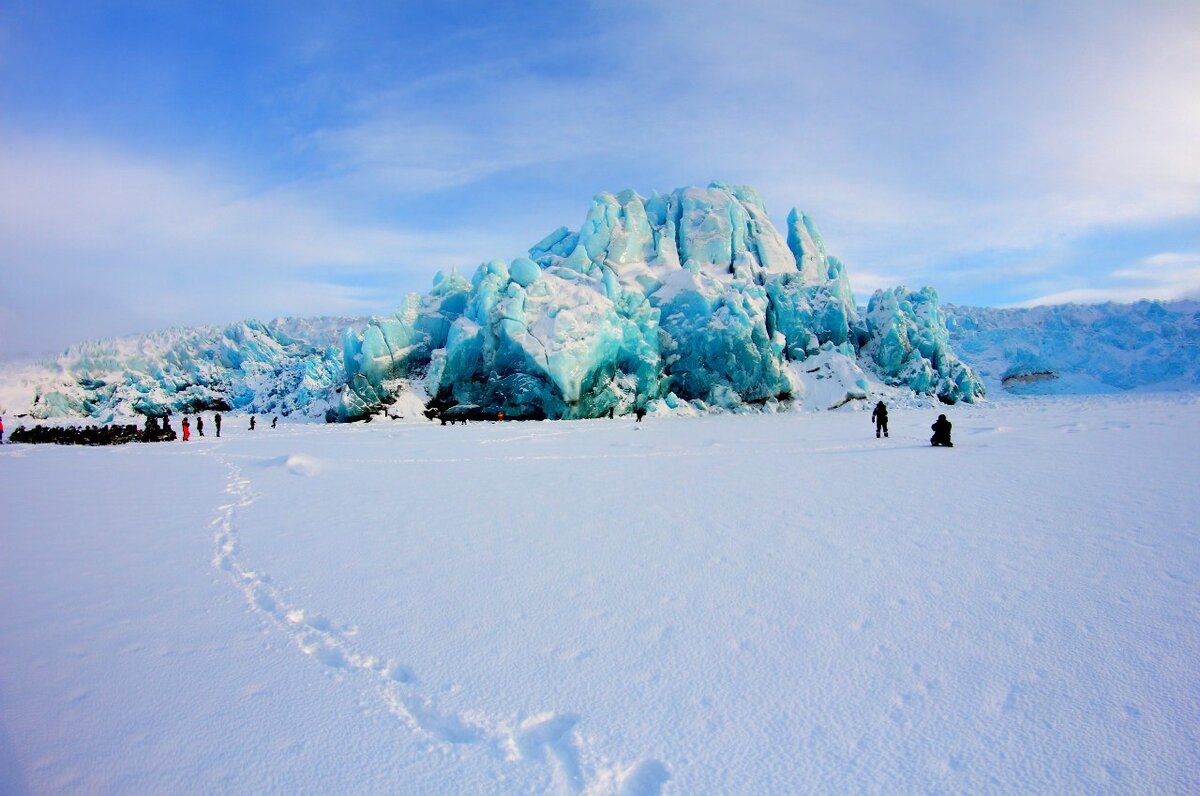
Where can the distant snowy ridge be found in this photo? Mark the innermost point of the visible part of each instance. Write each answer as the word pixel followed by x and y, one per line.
pixel 1073 348
pixel 286 366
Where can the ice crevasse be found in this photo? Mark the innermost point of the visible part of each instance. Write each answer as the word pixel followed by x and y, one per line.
pixel 688 297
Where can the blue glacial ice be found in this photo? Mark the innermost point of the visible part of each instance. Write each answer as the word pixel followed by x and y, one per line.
pixel 287 366
pixel 909 345
pixel 692 296
pixel 1074 348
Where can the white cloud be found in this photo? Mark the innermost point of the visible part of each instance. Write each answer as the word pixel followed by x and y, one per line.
pixel 913 133
pixel 95 242
pixel 1166 276
pixel 918 135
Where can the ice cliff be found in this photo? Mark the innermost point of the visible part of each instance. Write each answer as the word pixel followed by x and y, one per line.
pixel 693 296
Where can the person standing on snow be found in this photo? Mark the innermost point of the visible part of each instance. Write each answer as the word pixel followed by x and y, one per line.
pixel 217 420
pixel 880 418
pixel 200 425
pixel 187 429
pixel 1 431
pixel 251 422
pixel 941 433
pixel 274 420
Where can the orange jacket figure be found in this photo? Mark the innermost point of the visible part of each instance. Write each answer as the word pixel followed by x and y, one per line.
pixel 187 430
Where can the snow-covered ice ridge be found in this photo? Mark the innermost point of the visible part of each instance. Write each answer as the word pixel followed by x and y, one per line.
pixel 1073 349
pixel 286 366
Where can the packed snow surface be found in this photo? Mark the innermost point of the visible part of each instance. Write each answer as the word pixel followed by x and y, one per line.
pixel 748 604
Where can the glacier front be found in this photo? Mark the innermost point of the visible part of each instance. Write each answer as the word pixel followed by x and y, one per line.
pixel 690 297
pixel 688 301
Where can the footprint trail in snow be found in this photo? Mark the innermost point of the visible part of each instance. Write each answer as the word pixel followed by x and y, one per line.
pixel 547 739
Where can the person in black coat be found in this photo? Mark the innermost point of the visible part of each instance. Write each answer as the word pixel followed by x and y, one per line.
pixel 941 433
pixel 880 418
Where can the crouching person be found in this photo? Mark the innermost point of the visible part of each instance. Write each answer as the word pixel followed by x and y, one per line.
pixel 941 433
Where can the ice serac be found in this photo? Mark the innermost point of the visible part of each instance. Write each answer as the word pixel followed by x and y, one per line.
pixel 399 345
pixel 909 345
pixel 691 297
pixel 813 305
pixel 550 342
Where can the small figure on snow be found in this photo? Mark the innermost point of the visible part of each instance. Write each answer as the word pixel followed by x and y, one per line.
pixel 640 412
pixel 217 420
pixel 941 433
pixel 275 420
pixel 200 425
pixel 1 431
pixel 880 418
pixel 187 429
pixel 251 422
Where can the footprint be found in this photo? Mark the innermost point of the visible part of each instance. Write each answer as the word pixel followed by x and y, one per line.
pixel 555 732
pixel 547 738
pixel 644 778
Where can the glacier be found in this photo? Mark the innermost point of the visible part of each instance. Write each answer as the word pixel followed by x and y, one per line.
pixel 287 366
pixel 1080 349
pixel 684 302
pixel 693 297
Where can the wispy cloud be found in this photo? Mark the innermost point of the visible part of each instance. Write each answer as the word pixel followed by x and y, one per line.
pixel 96 242
pixel 972 146
pixel 1166 276
pixel 916 134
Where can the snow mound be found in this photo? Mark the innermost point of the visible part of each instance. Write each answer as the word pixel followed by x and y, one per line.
pixel 296 464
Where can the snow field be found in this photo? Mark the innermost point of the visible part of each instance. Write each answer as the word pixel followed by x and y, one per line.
pixel 727 604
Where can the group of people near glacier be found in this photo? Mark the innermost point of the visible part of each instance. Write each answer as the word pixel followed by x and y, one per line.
pixel 153 432
pixel 941 427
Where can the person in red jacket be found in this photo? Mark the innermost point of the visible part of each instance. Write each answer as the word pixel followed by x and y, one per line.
pixel 1 431
pixel 187 430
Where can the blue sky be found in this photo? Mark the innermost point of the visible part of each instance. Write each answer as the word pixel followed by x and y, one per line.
pixel 169 163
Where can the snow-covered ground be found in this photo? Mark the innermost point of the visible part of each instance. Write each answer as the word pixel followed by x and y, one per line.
pixel 728 604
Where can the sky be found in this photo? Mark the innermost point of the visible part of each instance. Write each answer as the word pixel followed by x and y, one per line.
pixel 173 163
